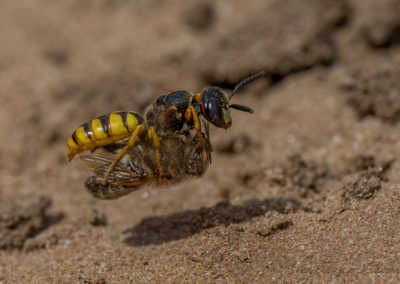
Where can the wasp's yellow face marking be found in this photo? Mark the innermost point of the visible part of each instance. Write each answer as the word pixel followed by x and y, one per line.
pixel 226 114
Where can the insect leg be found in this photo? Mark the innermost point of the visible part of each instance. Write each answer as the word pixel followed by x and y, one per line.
pixel 134 168
pixel 156 143
pixel 191 114
pixel 207 127
pixel 139 129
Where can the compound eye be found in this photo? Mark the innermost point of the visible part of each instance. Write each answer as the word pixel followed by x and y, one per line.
pixel 216 107
pixel 213 111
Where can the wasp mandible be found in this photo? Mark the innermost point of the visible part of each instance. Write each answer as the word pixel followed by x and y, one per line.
pixel 172 115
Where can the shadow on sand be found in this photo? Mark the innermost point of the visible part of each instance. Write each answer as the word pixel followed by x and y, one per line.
pixel 157 230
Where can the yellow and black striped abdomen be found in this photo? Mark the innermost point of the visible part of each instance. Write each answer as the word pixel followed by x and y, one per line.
pixel 103 130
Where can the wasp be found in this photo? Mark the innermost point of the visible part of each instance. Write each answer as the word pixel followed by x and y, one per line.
pixel 169 142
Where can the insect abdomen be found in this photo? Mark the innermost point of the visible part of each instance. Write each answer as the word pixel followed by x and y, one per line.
pixel 102 130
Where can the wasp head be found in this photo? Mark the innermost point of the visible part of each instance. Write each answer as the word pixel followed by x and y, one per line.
pixel 216 107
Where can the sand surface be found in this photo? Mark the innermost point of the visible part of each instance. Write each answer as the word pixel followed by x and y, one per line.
pixel 305 189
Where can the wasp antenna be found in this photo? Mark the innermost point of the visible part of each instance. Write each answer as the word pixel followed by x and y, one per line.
pixel 245 82
pixel 242 108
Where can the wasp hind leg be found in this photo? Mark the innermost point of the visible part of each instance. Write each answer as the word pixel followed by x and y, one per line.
pixel 156 144
pixel 139 129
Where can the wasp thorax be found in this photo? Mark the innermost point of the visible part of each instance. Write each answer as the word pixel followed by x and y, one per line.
pixel 216 107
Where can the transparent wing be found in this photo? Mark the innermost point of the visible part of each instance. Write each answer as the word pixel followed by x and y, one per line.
pixel 121 175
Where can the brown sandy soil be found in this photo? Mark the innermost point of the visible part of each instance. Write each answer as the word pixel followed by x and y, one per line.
pixel 307 188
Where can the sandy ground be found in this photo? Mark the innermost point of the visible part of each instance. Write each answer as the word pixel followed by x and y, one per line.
pixel 305 189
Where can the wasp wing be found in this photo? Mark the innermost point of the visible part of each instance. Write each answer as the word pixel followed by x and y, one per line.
pixel 121 181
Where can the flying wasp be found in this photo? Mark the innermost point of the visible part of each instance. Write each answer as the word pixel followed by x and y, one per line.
pixel 156 147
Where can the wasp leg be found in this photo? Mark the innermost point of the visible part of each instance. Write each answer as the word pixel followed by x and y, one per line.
pixel 207 127
pixel 135 169
pixel 156 143
pixel 191 114
pixel 139 129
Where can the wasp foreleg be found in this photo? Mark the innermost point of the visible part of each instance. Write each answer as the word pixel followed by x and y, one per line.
pixel 191 114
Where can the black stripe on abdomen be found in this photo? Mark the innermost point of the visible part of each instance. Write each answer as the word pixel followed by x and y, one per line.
pixel 138 117
pixel 87 129
pixel 123 115
pixel 75 138
pixel 104 119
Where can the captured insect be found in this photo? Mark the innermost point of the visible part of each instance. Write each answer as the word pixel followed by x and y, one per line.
pixel 169 143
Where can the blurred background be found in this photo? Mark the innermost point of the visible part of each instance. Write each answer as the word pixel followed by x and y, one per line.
pixel 331 94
